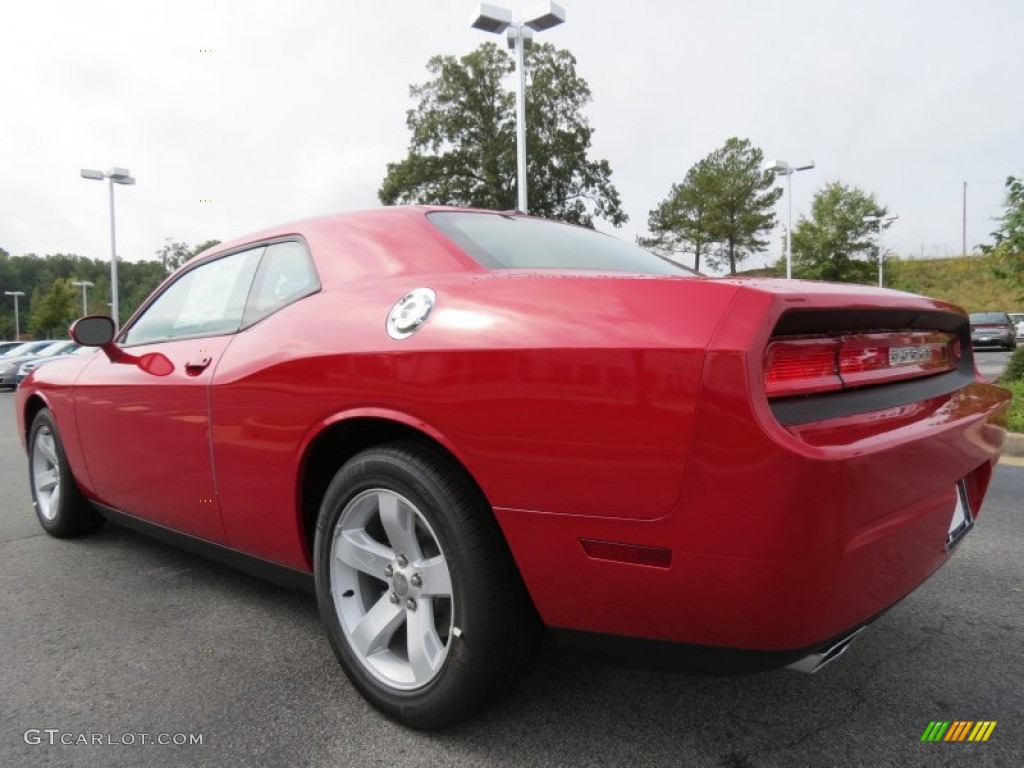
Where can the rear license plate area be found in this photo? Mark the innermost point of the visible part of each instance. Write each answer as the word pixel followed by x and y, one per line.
pixel 962 520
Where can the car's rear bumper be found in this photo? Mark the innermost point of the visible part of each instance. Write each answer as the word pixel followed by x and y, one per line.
pixel 993 340
pixel 719 600
pixel 776 544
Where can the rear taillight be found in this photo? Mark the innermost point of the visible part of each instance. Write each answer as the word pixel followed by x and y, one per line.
pixel 802 366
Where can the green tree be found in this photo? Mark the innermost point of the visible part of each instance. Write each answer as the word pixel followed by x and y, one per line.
pixel 173 254
pixel 53 309
pixel 137 280
pixel 463 147
pixel 682 221
pixel 1008 240
pixel 722 210
pixel 836 243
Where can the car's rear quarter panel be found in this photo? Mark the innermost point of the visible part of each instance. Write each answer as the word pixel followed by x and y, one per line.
pixel 549 403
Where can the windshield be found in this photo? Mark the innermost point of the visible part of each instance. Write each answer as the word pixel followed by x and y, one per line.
pixel 55 348
pixel 505 241
pixel 990 317
pixel 27 348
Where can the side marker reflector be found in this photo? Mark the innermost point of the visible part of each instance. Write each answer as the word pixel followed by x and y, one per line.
pixel 635 554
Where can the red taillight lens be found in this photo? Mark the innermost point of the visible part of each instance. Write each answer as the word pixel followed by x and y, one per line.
pixel 808 366
pixel 801 367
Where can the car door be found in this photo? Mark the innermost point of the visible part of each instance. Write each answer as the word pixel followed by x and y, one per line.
pixel 146 437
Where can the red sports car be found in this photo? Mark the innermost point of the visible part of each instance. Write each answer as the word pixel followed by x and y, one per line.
pixel 459 427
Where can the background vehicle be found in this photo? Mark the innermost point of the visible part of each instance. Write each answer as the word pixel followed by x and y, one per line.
pixel 30 365
pixel 25 348
pixel 12 361
pixel 1017 318
pixel 993 329
pixel 459 426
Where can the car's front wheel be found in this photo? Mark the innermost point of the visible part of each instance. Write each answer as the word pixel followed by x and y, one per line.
pixel 60 506
pixel 422 604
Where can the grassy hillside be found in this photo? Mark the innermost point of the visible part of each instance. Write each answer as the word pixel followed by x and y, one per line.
pixel 966 281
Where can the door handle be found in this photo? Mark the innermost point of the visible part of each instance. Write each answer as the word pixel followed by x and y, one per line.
pixel 197 365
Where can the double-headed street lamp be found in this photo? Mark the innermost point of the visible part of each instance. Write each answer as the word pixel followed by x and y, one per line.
pixel 114 176
pixel 881 221
pixel 782 168
pixel 17 319
pixel 491 18
pixel 85 285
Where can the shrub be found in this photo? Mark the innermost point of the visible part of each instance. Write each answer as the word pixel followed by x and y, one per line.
pixel 1015 368
pixel 1017 406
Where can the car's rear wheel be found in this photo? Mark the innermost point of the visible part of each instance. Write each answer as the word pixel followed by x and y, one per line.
pixel 422 604
pixel 60 506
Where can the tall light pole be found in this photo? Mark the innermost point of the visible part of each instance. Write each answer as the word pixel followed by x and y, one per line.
pixel 963 252
pixel 85 285
pixel 17 319
pixel 881 221
pixel 114 176
pixel 782 168
pixel 491 18
pixel 963 230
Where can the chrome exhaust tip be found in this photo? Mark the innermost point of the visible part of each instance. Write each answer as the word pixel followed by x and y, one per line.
pixel 820 659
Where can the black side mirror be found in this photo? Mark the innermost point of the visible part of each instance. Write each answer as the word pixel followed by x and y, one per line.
pixel 93 330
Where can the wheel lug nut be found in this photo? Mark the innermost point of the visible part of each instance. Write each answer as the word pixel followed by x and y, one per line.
pixel 389 571
pixel 402 561
pixel 394 598
pixel 410 604
pixel 415 580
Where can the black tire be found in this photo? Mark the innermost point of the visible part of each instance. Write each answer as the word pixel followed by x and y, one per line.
pixel 69 514
pixel 487 628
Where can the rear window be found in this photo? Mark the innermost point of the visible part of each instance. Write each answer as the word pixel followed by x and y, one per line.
pixel 505 241
pixel 990 317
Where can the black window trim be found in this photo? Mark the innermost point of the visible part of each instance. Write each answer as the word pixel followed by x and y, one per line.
pixel 316 288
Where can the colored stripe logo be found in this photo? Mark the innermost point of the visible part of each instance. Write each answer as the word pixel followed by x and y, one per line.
pixel 958 730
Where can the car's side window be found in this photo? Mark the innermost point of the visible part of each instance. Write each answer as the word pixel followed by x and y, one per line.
pixel 208 300
pixel 286 274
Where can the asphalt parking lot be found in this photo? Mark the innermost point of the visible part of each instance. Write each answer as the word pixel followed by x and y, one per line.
pixel 991 362
pixel 117 635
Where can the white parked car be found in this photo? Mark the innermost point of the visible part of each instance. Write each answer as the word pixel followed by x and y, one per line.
pixel 1017 318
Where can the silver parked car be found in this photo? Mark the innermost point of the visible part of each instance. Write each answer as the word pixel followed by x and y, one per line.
pixel 30 365
pixel 12 361
pixel 993 329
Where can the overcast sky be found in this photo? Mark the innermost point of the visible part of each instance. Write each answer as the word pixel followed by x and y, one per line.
pixel 298 106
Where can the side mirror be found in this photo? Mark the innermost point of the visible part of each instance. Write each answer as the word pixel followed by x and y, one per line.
pixel 99 330
pixel 93 331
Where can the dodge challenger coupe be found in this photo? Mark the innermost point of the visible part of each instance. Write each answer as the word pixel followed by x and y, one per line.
pixel 461 427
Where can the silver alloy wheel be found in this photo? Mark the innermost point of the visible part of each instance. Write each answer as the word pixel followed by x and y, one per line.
pixel 392 589
pixel 46 473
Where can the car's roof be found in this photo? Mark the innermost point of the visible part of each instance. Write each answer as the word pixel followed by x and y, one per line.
pixel 377 242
